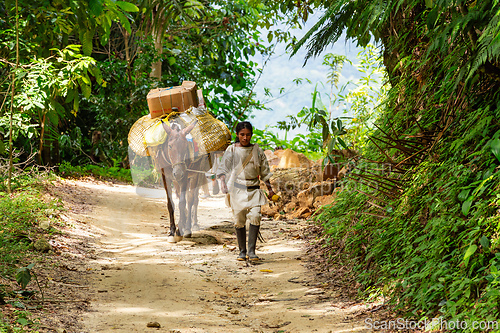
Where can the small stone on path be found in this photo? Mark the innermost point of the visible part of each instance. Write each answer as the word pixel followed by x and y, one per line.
pixel 42 245
pixel 154 324
pixel 44 224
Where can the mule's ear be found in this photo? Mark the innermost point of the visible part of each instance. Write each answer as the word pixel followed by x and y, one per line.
pixel 166 127
pixel 189 128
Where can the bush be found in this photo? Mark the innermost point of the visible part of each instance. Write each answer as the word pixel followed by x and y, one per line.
pixel 105 173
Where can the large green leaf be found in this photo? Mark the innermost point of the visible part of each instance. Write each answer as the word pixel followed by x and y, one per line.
pixel 315 94
pixel 342 143
pixel 76 104
pixel 86 89
pixel 466 205
pixel 127 6
pixel 69 96
pixel 470 251
pixel 495 148
pixel 53 117
pixel 124 21
pixel 325 134
pixel 95 7
pixel 85 78
pixel 96 72
pixel 493 293
pixel 87 42
pixel 432 17
pixel 464 194
pixel 58 108
pixel 106 25
pixel 23 277
pixel 485 242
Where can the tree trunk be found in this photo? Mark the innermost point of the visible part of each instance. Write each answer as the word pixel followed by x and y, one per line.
pixel 49 145
pixel 127 53
pixel 13 92
pixel 41 143
pixel 156 67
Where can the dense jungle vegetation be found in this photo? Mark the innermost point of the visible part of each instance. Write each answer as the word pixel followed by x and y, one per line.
pixel 417 221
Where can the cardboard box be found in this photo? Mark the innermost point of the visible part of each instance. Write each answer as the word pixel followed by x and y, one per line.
pixel 201 100
pixel 162 100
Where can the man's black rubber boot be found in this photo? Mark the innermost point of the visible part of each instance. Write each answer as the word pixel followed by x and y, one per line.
pixel 253 233
pixel 241 236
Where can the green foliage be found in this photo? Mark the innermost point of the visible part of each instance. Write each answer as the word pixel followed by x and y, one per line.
pixel 111 111
pixel 21 213
pixel 267 139
pixel 426 252
pixel 21 323
pixel 360 100
pixel 310 144
pixel 217 56
pixel 105 173
pixel 419 219
pixel 85 68
pixel 363 100
pixel 45 83
pixel 47 96
pixel 52 82
pixel 22 128
pixel 45 25
pixel 335 63
pixel 24 275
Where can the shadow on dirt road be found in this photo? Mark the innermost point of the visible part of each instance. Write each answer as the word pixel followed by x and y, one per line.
pixel 141 283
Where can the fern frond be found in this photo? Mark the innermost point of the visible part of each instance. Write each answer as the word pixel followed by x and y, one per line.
pixel 311 31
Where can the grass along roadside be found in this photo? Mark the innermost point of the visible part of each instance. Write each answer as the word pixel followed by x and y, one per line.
pixel 28 217
pixel 33 240
pixel 67 170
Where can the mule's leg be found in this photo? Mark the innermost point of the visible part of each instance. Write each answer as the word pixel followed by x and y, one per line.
pixel 196 199
pixel 205 165
pixel 189 198
pixel 177 189
pixel 170 205
pixel 184 229
pixel 192 202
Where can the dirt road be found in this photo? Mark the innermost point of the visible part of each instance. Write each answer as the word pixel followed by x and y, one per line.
pixel 196 285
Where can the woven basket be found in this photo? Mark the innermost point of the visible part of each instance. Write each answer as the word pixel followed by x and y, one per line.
pixel 209 133
pixel 136 135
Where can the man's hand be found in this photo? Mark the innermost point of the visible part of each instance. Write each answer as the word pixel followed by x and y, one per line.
pixel 270 195
pixel 223 185
pixel 269 190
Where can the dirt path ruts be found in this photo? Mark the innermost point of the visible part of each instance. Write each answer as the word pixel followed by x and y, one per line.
pixel 197 285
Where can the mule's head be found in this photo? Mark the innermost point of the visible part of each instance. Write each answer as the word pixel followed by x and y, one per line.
pixel 177 148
